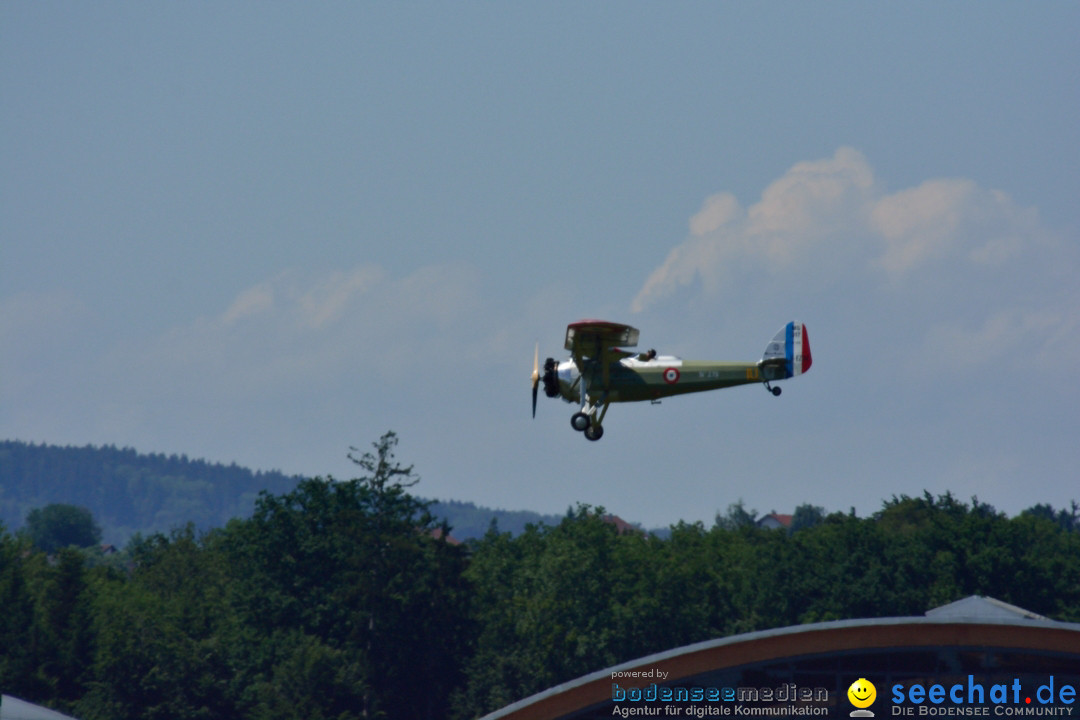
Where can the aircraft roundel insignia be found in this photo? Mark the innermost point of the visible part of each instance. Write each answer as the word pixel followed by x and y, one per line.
pixel 671 376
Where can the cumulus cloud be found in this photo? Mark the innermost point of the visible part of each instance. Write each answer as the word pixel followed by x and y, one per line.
pixel 946 269
pixel 991 339
pixel 816 198
pixel 296 332
pixel 327 300
pixel 366 294
pixel 718 210
pixel 813 203
pixel 283 355
pixel 828 214
pixel 252 301
pixel 297 340
pixel 946 218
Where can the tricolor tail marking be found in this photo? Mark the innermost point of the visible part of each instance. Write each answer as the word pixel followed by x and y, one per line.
pixel 797 345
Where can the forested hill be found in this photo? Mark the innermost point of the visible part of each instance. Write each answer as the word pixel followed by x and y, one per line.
pixel 126 491
pixel 468 520
pixel 129 492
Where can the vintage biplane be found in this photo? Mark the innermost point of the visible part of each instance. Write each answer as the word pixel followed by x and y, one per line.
pixel 601 371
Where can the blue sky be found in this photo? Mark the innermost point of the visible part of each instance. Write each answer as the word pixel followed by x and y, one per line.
pixel 264 232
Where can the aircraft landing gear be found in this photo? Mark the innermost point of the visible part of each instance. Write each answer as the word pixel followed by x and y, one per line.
pixel 589 424
pixel 587 420
pixel 774 390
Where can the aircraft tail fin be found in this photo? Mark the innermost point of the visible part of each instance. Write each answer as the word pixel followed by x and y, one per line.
pixel 788 353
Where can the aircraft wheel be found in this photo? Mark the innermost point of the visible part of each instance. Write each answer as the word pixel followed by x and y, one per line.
pixel 580 421
pixel 594 432
pixel 776 391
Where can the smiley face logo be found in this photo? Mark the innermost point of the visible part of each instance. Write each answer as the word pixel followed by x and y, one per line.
pixel 862 693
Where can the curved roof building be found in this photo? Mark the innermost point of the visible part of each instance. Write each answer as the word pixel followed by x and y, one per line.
pixel 974 657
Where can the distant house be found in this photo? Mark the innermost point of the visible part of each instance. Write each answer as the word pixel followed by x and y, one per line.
pixel 775 521
pixel 437 533
pixel 621 526
pixel 107 549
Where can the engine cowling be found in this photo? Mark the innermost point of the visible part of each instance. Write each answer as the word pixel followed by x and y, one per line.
pixel 551 378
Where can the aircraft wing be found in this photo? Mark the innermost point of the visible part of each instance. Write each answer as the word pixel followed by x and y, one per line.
pixel 598 341
pixel 591 338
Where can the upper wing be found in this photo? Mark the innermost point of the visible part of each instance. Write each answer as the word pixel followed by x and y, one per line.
pixel 590 338
pixel 597 341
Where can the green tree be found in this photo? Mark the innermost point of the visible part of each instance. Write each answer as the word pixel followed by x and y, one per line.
pixel 309 677
pixel 162 633
pixel 59 525
pixel 17 661
pixel 754 566
pixel 737 516
pixel 1068 520
pixel 807 516
pixel 360 572
pixel 65 638
pixel 560 601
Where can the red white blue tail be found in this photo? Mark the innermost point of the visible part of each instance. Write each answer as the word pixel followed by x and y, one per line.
pixel 789 349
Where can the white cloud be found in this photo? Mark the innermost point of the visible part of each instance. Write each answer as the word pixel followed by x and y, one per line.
pixel 922 223
pixel 814 204
pixel 283 354
pixel 993 337
pixel 252 301
pixel 946 270
pixel 326 300
pixel 289 326
pixel 718 210
pixel 819 197
pixel 943 218
pixel 831 217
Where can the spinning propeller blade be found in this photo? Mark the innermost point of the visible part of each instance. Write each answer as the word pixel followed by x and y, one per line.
pixel 535 376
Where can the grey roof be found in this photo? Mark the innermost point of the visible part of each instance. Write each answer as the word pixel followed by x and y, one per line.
pixel 977 607
pixel 12 708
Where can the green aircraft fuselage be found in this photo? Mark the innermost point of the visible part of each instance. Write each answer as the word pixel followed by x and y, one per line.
pixel 600 371
pixel 662 377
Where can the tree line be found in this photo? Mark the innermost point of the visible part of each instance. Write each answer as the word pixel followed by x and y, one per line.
pixel 128 492
pixel 345 599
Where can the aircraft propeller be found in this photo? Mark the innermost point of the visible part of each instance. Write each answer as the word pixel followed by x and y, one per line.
pixel 535 377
